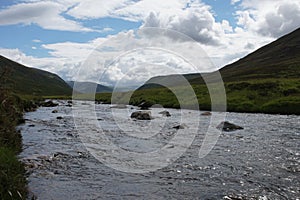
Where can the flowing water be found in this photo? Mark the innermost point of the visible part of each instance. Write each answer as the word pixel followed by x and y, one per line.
pixel 262 161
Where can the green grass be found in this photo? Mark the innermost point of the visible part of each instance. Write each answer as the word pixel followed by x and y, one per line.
pixel 276 96
pixel 12 172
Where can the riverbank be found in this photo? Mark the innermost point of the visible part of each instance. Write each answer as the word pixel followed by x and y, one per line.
pixel 12 171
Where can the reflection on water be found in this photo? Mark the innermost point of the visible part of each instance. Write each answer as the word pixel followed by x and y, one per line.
pixel 259 162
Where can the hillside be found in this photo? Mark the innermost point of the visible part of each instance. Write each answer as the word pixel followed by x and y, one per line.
pixel 279 59
pixel 30 81
pixel 267 80
pixel 89 87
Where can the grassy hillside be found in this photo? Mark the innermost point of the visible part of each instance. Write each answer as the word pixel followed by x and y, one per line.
pixel 267 80
pixel 30 81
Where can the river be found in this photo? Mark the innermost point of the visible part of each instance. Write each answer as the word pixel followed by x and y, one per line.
pixel 262 161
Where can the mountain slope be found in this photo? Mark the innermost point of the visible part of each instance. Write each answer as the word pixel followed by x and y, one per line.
pixel 88 87
pixel 31 81
pixel 279 59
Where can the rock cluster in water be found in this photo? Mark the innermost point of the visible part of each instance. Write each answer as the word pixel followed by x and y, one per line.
pixel 165 113
pixel 141 115
pixel 227 126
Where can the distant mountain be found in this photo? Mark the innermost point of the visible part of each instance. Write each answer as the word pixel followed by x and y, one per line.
pixel 31 81
pixel 89 87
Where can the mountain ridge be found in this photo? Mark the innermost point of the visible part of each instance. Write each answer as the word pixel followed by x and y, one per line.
pixel 31 81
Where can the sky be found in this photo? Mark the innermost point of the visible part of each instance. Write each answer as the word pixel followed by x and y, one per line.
pixel 108 42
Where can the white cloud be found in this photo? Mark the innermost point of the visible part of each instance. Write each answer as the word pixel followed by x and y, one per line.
pixel 36 41
pixel 234 2
pixel 272 18
pixel 46 14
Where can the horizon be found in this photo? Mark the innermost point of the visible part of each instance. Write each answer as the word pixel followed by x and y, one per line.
pixel 59 36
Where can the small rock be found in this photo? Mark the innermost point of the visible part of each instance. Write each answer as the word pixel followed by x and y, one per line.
pixel 99 119
pixel 141 115
pixel 227 126
pixel 206 114
pixel 49 104
pixel 145 105
pixel 165 113
pixel 70 134
pixel 181 126
pixel 31 125
pixel 69 102
pixel 59 117
pixel 55 111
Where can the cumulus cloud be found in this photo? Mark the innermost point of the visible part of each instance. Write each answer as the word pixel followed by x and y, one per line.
pixel 196 21
pixel 46 14
pixel 272 18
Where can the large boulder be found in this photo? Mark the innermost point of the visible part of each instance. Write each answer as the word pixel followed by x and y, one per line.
pixel 141 115
pixel 227 126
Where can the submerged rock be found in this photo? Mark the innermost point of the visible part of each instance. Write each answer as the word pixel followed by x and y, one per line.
pixel 55 111
pixel 180 126
pixel 165 113
pixel 227 126
pixel 206 113
pixel 141 115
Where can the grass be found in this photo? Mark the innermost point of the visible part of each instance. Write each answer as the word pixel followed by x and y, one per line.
pixel 12 172
pixel 276 96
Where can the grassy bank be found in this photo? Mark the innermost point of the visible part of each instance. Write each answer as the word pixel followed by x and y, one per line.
pixel 275 96
pixel 12 171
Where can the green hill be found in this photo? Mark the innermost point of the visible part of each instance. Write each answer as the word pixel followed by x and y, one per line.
pixel 30 81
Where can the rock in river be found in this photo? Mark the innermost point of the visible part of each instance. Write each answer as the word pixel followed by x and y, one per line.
pixel 165 113
pixel 141 115
pixel 48 104
pixel 227 126
pixel 206 113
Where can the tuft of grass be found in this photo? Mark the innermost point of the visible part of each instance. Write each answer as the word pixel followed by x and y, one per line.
pixel 12 180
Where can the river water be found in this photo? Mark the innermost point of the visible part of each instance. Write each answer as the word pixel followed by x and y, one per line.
pixel 262 161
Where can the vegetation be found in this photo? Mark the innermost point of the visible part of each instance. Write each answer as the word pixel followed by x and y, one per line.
pixel 12 172
pixel 263 96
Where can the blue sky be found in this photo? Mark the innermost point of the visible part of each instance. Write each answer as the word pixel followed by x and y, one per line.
pixel 59 35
